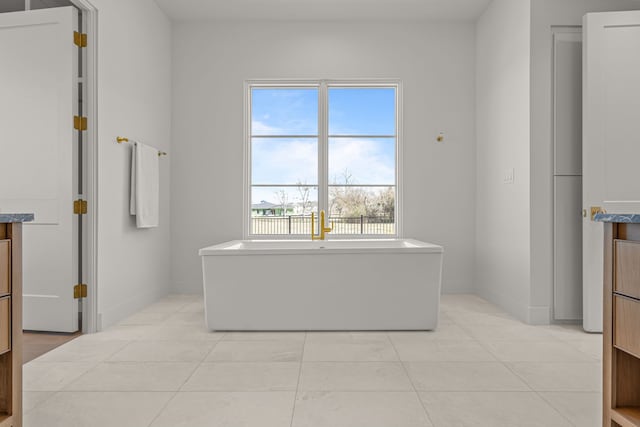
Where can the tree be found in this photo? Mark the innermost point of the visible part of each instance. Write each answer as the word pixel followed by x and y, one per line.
pixel 338 195
pixel 304 192
pixel 345 200
pixel 387 202
pixel 283 200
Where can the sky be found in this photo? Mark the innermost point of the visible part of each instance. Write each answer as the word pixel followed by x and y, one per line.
pixel 352 111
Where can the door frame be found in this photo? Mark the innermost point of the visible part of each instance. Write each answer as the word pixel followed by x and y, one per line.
pixel 90 323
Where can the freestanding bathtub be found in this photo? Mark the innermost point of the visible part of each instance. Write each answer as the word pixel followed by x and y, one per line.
pixel 260 285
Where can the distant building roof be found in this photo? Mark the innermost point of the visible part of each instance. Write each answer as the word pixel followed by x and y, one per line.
pixel 264 205
pixel 268 205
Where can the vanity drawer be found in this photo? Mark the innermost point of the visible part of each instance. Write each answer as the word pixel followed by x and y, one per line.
pixel 626 319
pixel 5 267
pixel 627 268
pixel 5 324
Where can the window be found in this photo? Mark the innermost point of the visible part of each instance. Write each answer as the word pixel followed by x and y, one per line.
pixel 324 145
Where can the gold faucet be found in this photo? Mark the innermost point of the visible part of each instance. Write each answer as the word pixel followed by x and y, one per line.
pixel 323 229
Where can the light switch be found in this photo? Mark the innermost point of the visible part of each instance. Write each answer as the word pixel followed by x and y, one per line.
pixel 509 176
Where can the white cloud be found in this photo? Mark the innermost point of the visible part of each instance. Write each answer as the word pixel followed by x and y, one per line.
pixel 260 128
pixel 289 161
pixel 369 161
pixel 277 161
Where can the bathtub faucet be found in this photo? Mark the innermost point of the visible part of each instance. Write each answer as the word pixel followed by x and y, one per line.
pixel 323 229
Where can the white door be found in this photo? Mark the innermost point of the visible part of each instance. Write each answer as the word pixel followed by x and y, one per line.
pixel 38 87
pixel 611 141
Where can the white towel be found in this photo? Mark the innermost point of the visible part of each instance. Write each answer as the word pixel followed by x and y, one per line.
pixel 145 186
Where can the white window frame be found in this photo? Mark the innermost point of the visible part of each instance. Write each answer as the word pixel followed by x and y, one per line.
pixel 323 152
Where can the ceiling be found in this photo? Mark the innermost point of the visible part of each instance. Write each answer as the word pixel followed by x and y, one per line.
pixel 319 10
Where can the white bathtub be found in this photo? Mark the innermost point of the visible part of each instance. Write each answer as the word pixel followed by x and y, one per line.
pixel 258 285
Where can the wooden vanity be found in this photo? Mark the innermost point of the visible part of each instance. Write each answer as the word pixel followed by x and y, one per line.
pixel 11 318
pixel 621 334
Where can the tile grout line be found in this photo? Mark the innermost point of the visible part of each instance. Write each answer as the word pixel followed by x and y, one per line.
pixel 554 408
pixel 413 386
pixel 52 394
pixel 477 341
pixel 503 363
pixel 198 365
pixel 484 345
pixel 539 393
pixel 153 420
pixel 95 365
pixel 107 359
pixel 295 396
pixel 506 365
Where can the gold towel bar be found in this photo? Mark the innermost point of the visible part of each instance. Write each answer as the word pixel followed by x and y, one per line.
pixel 122 139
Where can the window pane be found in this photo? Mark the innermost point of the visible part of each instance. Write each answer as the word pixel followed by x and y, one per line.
pixel 284 161
pixel 283 210
pixel 362 161
pixel 284 111
pixel 362 111
pixel 362 210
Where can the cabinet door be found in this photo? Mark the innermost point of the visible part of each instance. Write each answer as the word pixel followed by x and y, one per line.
pixel 5 267
pixel 627 268
pixel 626 317
pixel 5 324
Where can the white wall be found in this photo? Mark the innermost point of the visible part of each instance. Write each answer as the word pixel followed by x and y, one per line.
pixel 544 15
pixel 134 96
pixel 502 111
pixel 515 222
pixel 210 63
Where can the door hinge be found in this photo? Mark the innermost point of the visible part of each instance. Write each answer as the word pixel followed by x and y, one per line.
pixel 79 207
pixel 79 39
pixel 80 291
pixel 79 123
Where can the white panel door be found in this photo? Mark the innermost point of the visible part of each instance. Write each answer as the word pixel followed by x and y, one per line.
pixel 611 142
pixel 567 144
pixel 38 65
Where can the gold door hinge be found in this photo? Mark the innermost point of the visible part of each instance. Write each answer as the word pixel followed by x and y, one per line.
pixel 79 39
pixel 79 207
pixel 79 123
pixel 80 291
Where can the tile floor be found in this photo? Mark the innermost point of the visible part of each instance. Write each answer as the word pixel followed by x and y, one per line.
pixel 161 368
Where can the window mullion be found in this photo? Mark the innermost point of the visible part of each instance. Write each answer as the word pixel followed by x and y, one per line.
pixel 323 148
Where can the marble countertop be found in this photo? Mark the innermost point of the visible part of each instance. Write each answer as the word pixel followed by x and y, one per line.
pixel 621 218
pixel 15 217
